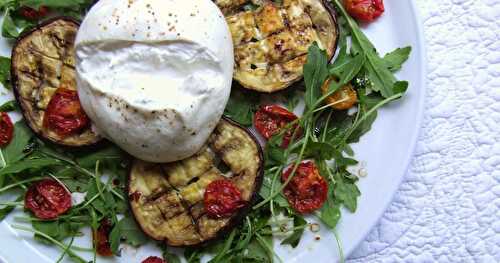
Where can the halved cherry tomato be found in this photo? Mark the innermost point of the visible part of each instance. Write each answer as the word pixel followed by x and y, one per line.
pixel 307 190
pixel 270 119
pixel 342 99
pixel 6 129
pixel 31 13
pixel 101 238
pixel 365 10
pixel 47 199
pixel 153 260
pixel 222 199
pixel 64 114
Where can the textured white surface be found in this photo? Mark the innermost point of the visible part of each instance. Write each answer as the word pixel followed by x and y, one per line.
pixel 448 207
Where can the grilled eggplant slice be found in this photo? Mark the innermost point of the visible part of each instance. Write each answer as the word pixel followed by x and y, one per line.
pixel 271 42
pixel 167 199
pixel 43 60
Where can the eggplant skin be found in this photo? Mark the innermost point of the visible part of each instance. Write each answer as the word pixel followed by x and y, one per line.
pixel 43 60
pixel 167 199
pixel 271 42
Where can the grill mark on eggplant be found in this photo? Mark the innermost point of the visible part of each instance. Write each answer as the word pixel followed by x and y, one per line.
pixel 43 58
pixel 190 206
pixel 312 21
pixel 41 55
pixel 152 198
pixel 183 203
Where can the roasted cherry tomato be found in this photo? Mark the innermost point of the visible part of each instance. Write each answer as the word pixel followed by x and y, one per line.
pixel 31 13
pixel 153 260
pixel 342 99
pixel 222 199
pixel 270 119
pixel 6 129
pixel 64 114
pixel 101 238
pixel 365 10
pixel 307 190
pixel 47 199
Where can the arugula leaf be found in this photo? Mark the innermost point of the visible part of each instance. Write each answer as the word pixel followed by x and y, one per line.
pixel 73 180
pixel 192 255
pixel 105 203
pixel 274 154
pixel 9 28
pixel 17 149
pixel 224 249
pixel 346 192
pixel 115 237
pixel 108 155
pixel 169 257
pixel 401 86
pixel 348 68
pixel 382 78
pixel 5 73
pixel 242 106
pixel 321 150
pixel 265 191
pixel 293 96
pixel 395 59
pixel 52 3
pixel 256 253
pixel 31 164
pixel 294 239
pixel 329 214
pixel 315 73
pixel 6 210
pixel 126 229
pixel 375 66
pixel 9 105
pixel 57 229
pixel 363 128
pixel 130 232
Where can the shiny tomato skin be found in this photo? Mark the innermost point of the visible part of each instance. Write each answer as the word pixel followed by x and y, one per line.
pixel 342 99
pixel 153 259
pixel 365 10
pixel 64 114
pixel 270 119
pixel 307 190
pixel 6 129
pixel 31 13
pixel 222 199
pixel 47 199
pixel 101 238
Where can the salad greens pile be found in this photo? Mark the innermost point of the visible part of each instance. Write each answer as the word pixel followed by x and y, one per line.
pixel 26 160
pixel 14 23
pixel 326 136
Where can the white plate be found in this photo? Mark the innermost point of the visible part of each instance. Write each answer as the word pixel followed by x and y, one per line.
pixel 386 150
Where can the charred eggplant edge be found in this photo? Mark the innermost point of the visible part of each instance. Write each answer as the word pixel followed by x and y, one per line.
pixel 14 80
pixel 235 220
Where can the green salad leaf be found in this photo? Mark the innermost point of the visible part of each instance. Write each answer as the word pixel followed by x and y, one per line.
pixel 395 59
pixel 241 106
pixel 5 73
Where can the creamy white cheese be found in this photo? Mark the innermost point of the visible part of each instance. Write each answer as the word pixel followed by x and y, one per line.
pixel 155 75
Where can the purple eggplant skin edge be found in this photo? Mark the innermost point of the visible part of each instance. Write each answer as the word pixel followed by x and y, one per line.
pixel 333 17
pixel 15 86
pixel 235 220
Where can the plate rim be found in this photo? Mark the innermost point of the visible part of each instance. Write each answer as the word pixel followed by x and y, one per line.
pixel 420 37
pixel 421 44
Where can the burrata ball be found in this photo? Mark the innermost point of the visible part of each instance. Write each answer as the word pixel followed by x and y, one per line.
pixel 155 75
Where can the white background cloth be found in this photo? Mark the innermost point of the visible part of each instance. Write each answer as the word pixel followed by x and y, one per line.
pixel 448 207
